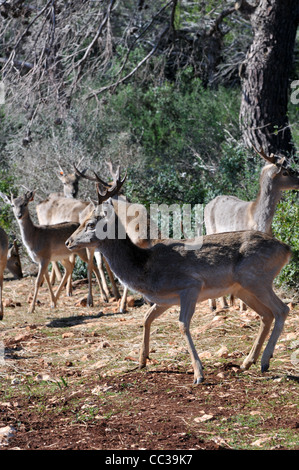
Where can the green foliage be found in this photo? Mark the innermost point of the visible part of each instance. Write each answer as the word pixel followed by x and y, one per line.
pixel 286 229
pixel 80 269
pixel 6 186
pixel 172 121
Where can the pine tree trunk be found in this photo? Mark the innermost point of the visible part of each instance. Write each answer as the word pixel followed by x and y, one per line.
pixel 265 76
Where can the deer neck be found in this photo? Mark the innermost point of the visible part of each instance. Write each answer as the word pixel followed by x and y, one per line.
pixel 263 208
pixel 127 261
pixel 28 231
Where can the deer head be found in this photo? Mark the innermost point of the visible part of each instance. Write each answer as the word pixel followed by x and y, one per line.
pixel 282 174
pixel 86 234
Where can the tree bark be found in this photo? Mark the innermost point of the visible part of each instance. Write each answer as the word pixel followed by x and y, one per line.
pixel 265 76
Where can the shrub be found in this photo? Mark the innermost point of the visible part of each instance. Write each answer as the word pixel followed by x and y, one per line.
pixel 286 229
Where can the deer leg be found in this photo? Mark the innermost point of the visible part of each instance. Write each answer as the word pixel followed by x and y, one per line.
pixel 95 269
pixel 154 312
pixel 69 286
pixel 269 307
pixel 212 304
pixel 99 263
pixel 68 266
pixel 53 298
pixel 188 303
pixel 224 303
pixel 112 280
pixel 123 302
pixel 280 312
pixel 266 318
pixel 42 269
pixel 55 273
pixel 87 257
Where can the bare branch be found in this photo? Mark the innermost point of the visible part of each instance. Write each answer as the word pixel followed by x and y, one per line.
pixel 129 75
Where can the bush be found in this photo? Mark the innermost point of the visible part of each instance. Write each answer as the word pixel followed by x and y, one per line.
pixel 6 187
pixel 286 229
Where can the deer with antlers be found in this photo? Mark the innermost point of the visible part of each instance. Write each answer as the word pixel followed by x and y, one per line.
pixel 228 213
pixel 121 207
pixel 240 263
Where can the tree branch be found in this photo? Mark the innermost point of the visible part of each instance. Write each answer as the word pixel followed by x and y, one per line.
pixel 129 75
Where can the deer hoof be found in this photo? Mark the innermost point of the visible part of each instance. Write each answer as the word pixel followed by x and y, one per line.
pixel 198 381
pixel 265 367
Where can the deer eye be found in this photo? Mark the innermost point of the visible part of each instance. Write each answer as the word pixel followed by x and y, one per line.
pixel 90 226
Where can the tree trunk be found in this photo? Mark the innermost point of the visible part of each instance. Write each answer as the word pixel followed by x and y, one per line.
pixel 265 76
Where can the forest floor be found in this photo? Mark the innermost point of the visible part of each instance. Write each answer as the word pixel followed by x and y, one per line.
pixel 70 378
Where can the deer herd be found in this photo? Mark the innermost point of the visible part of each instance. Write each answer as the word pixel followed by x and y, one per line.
pixel 238 256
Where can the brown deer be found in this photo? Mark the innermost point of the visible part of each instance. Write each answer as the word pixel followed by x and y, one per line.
pixel 121 206
pixel 13 261
pixel 228 213
pixel 59 208
pixel 10 259
pixel 44 243
pixel 239 263
pixel 3 262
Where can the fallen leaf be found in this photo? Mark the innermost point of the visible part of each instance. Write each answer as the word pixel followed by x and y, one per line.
pixel 131 358
pixel 68 335
pixel 222 352
pixel 45 378
pixel 205 355
pixel 5 434
pixel 260 442
pixel 203 418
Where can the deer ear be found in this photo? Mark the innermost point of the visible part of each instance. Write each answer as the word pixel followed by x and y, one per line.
pixel 30 195
pixel 281 162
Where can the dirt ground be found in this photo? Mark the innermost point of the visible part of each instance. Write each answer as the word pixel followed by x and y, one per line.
pixel 70 378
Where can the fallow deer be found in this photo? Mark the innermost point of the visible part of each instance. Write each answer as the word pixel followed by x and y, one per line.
pixel 240 263
pixel 3 262
pixel 60 208
pixel 121 206
pixel 13 261
pixel 10 259
pixel 44 243
pixel 228 213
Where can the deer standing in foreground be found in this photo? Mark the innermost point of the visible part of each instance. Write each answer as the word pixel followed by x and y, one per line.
pixel 44 243
pixel 228 213
pixel 240 263
pixel 121 207
pixel 60 208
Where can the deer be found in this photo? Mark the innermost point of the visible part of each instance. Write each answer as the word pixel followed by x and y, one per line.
pixel 242 263
pixel 121 205
pixel 64 207
pixel 46 210
pixel 3 262
pixel 44 243
pixel 10 259
pixel 13 260
pixel 228 213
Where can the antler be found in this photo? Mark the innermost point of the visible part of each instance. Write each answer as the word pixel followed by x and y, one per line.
pixel 276 160
pixel 114 174
pixel 102 197
pixel 111 189
pixel 270 159
pixel 96 177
